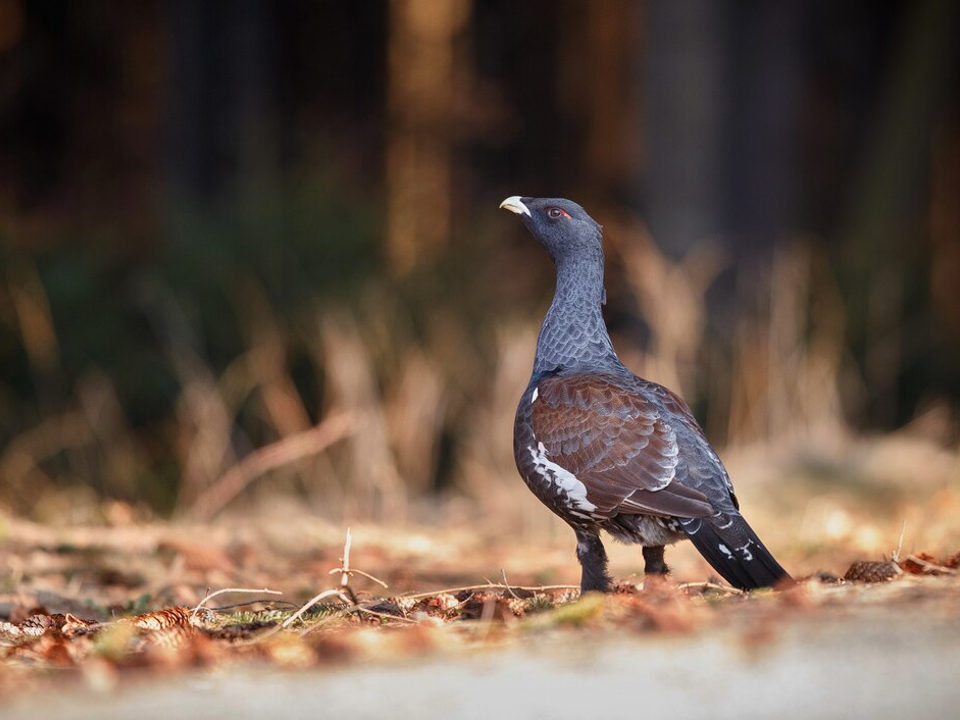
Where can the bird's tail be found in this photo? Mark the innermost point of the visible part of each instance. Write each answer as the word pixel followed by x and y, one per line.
pixel 731 546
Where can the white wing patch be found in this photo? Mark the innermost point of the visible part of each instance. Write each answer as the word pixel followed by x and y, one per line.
pixel 536 394
pixel 565 481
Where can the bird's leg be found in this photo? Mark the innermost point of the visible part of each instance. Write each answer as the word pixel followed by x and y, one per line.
pixel 653 560
pixel 593 560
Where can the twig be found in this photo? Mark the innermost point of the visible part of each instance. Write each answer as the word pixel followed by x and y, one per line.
pixel 487 586
pixel 896 553
pixel 293 447
pixel 344 586
pixel 367 575
pixel 710 586
pixel 346 571
pixel 932 568
pixel 503 573
pixel 212 595
pixel 345 578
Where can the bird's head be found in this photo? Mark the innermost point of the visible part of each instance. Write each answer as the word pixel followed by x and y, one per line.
pixel 561 226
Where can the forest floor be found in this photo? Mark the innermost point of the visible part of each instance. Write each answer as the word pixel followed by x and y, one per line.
pixel 111 621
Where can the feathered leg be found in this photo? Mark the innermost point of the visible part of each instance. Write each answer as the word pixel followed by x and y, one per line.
pixel 653 560
pixel 593 560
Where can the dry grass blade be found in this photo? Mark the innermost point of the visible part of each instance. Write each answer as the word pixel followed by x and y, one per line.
pixel 309 442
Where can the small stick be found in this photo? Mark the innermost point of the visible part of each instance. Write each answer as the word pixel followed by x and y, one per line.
pixel 367 575
pixel 503 573
pixel 932 567
pixel 896 553
pixel 212 595
pixel 487 586
pixel 345 576
pixel 346 571
pixel 344 586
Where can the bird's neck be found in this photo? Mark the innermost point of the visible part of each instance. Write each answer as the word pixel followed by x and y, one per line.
pixel 573 334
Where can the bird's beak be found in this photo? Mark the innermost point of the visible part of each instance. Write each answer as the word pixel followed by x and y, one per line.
pixel 514 205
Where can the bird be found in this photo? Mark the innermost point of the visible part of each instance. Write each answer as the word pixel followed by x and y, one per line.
pixel 607 450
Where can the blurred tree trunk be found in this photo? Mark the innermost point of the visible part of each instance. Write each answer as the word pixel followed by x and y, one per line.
pixel 719 127
pixel 889 193
pixel 945 228
pixel 684 61
pixel 219 137
pixel 597 91
pixel 426 70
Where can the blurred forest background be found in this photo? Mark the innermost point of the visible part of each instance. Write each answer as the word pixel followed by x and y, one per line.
pixel 251 250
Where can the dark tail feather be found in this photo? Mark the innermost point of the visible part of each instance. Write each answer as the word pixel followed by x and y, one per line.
pixel 733 549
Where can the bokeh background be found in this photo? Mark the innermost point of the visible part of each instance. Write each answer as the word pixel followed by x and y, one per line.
pixel 250 251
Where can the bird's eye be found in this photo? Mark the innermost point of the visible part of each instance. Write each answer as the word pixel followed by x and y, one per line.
pixel 554 213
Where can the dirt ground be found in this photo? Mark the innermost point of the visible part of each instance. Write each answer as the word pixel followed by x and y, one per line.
pixel 102 621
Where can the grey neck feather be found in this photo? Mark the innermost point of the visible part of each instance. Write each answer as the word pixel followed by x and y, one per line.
pixel 573 335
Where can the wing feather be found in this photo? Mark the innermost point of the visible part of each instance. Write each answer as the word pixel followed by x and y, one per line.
pixel 617 442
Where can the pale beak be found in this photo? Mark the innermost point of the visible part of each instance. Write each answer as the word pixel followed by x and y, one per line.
pixel 514 205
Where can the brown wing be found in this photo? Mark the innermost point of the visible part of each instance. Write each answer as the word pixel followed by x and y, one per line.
pixel 616 442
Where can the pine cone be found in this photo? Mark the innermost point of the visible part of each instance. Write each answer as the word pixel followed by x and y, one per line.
pixel 868 571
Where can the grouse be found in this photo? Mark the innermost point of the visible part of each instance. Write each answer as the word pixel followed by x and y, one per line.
pixel 607 450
